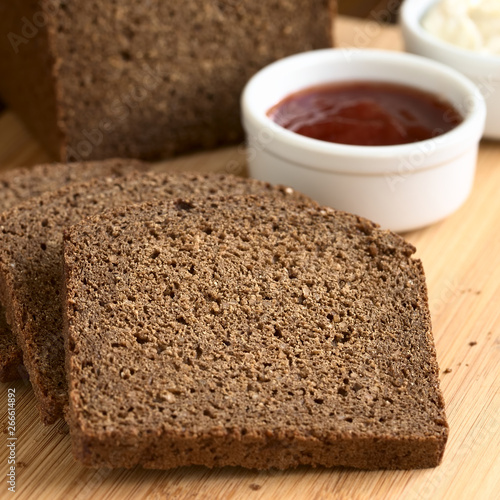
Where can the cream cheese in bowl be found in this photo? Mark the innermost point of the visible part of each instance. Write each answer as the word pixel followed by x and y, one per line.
pixel 469 24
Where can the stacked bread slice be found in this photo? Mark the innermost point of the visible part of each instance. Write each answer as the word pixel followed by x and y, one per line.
pixel 31 268
pixel 220 321
pixel 21 184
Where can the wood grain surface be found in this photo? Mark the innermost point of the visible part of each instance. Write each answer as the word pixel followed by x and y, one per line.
pixel 461 256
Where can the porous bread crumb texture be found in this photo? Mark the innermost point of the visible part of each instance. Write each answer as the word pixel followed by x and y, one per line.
pixel 159 77
pixel 30 261
pixel 20 184
pixel 248 331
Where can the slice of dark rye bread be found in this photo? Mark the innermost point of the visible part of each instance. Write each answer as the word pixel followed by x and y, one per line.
pixel 252 331
pixel 30 261
pixel 20 184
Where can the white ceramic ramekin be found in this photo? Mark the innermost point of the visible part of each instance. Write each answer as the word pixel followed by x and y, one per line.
pixel 482 69
pixel 401 187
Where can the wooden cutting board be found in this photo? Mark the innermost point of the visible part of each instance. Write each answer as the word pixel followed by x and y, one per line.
pixel 461 256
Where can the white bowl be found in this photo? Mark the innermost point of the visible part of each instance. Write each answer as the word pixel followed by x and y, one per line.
pixel 482 69
pixel 401 187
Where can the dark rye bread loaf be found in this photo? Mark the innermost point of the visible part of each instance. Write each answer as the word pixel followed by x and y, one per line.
pixel 30 261
pixel 97 79
pixel 248 331
pixel 20 184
